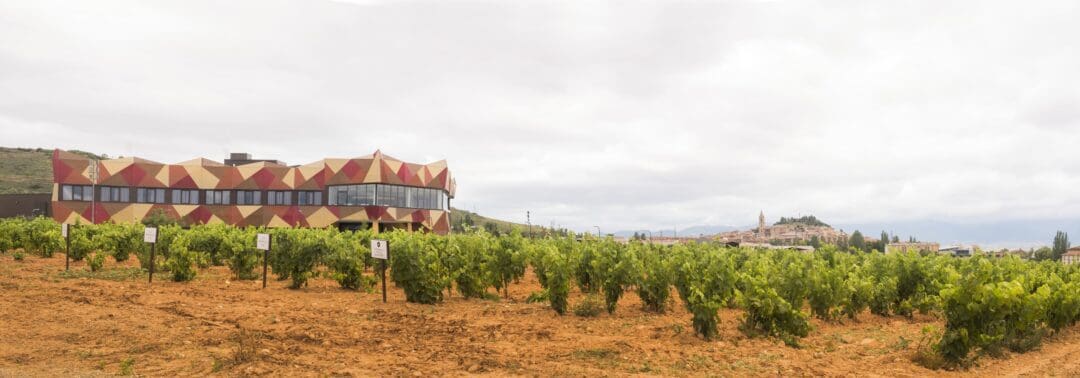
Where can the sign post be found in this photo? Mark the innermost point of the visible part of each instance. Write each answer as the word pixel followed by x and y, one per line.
pixel 150 236
pixel 67 246
pixel 380 249
pixel 262 241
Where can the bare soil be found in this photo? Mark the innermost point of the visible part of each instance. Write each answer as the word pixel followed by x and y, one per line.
pixel 114 322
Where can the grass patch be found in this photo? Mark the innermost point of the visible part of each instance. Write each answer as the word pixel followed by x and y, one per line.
pixel 114 274
pixel 246 345
pixel 596 354
pixel 127 366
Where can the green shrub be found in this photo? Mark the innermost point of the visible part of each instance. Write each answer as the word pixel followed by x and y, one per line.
pixel 96 260
pixel 81 244
pixel 41 236
pixel 828 291
pixel 590 306
pixel 614 271
pixel 346 266
pixel 558 275
pixel 767 313
pixel 119 239
pixel 538 296
pixel 18 255
pixel 654 286
pixel 467 264
pixel 416 267
pixel 237 250
pixel 182 262
pixel 705 280
pixel 860 290
pixel 307 252
pixel 506 261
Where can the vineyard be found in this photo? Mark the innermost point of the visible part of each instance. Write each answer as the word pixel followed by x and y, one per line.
pixel 988 306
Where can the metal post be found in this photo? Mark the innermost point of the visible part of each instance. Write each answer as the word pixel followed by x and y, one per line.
pixel 384 271
pixel 67 250
pixel 266 258
pixel 152 263
pixel 93 190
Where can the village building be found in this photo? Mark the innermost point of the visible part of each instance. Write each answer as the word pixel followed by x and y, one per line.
pixel 912 246
pixel 1071 256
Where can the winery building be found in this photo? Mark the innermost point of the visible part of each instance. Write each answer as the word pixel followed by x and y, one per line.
pixel 375 191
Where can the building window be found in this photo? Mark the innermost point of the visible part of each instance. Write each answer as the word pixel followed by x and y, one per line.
pixel 150 195
pixel 278 198
pixel 114 194
pixel 217 197
pixel 185 196
pixel 248 197
pixel 385 195
pixel 76 193
pixel 351 195
pixel 309 198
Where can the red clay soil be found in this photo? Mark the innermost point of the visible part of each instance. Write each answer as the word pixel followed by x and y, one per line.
pixel 106 324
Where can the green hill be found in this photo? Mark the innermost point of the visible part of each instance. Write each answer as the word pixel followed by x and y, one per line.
pixel 460 218
pixel 27 170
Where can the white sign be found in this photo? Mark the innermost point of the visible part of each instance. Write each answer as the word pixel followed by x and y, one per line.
pixel 379 249
pixel 64 230
pixel 262 242
pixel 150 235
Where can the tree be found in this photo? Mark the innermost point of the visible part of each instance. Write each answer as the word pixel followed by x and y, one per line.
pixel 815 242
pixel 1044 253
pixel 895 239
pixel 842 242
pixel 158 218
pixel 491 228
pixel 1061 244
pixel 857 241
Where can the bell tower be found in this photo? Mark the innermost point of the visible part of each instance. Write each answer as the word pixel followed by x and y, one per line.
pixel 761 223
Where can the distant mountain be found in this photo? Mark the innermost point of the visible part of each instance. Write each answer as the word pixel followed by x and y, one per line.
pixel 988 235
pixel 693 231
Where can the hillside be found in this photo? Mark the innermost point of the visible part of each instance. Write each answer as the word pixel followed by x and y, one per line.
pixel 808 220
pixel 27 170
pixel 461 217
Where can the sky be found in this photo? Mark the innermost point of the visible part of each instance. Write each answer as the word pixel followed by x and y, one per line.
pixel 622 115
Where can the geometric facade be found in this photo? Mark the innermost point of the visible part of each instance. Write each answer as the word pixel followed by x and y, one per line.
pixel 376 191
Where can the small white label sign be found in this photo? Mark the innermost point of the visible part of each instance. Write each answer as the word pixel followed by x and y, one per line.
pixel 64 230
pixel 262 242
pixel 150 235
pixel 379 249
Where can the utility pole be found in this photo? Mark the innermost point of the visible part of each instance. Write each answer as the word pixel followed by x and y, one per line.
pixel 93 191
pixel 528 220
pixel 597 232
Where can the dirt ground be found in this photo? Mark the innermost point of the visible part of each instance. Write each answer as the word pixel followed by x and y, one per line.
pixel 114 322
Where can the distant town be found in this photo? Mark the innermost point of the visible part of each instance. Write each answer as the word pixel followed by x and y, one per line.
pixel 808 233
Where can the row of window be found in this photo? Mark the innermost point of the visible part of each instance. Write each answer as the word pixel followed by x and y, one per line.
pixel 340 195
pixel 387 195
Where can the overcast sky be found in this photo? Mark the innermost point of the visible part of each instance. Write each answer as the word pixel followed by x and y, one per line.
pixel 626 116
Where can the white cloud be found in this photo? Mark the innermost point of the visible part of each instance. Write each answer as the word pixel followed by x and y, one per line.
pixel 627 116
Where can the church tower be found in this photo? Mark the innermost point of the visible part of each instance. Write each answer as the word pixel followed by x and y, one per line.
pixel 761 223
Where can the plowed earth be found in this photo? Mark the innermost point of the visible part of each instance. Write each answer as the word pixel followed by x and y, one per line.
pixel 103 324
